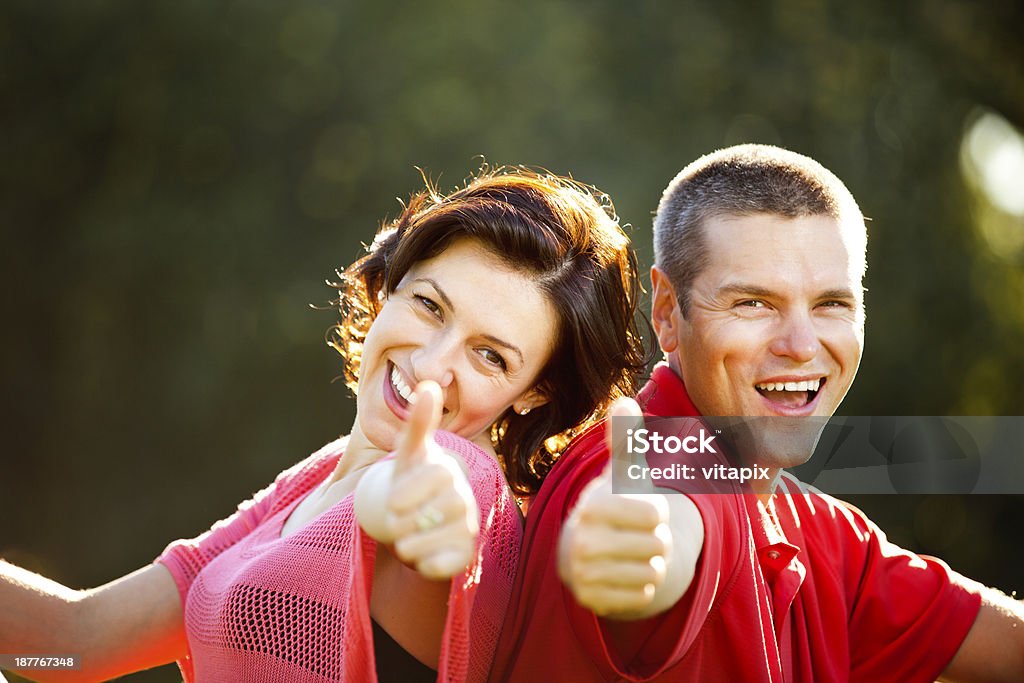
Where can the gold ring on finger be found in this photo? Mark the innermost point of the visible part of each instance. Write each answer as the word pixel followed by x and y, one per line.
pixel 428 518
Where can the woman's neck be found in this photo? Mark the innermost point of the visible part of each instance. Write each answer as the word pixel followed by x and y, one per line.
pixel 360 453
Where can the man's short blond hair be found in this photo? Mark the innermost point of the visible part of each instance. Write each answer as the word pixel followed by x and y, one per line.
pixel 738 181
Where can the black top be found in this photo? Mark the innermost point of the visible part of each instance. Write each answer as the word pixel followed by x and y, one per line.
pixel 394 664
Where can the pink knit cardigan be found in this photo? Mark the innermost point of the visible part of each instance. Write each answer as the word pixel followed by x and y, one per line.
pixel 259 607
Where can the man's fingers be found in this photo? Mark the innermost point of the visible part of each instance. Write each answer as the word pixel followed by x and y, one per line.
pixel 626 511
pixel 424 417
pixel 621 574
pixel 610 599
pixel 618 544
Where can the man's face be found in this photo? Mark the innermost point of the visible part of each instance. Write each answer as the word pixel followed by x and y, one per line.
pixel 776 322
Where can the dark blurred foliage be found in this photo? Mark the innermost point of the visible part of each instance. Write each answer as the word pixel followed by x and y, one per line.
pixel 178 179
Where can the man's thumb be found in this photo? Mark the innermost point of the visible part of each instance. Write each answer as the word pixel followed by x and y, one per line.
pixel 624 419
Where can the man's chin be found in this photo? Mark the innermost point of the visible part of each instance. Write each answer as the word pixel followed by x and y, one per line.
pixel 771 441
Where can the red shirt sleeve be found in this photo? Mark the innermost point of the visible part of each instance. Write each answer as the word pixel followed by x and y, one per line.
pixel 909 613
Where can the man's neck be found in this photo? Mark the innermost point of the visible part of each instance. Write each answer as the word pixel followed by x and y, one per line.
pixel 763 488
pixel 766 488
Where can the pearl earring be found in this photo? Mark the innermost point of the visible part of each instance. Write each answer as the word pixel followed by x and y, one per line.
pixel 524 411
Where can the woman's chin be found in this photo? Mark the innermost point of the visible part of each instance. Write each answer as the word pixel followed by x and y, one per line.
pixel 376 433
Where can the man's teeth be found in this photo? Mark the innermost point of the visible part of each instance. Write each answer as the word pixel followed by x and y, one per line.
pixel 807 385
pixel 400 386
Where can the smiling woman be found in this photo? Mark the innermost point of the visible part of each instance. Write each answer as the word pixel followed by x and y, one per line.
pixel 479 332
pixel 466 320
pixel 538 238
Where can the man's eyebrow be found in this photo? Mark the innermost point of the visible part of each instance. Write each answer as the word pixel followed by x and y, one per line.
pixel 837 294
pixel 489 337
pixel 746 289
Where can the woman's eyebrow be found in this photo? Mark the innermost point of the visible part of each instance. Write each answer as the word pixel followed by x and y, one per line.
pixel 440 291
pixel 504 344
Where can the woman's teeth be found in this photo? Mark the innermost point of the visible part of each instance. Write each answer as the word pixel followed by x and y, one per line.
pixel 399 384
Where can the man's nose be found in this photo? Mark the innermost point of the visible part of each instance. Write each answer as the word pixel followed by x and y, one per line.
pixel 435 360
pixel 797 338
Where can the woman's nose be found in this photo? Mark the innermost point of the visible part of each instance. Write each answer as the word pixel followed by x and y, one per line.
pixel 434 360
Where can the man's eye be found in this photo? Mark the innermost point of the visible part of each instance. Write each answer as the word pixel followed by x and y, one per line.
pixel 494 358
pixel 428 304
pixel 836 304
pixel 751 303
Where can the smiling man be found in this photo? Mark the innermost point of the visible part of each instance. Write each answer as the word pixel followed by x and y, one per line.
pixel 758 306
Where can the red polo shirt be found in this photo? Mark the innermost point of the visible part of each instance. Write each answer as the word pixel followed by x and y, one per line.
pixel 806 590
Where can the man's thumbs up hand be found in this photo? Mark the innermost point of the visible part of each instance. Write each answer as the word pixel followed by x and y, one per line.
pixel 613 547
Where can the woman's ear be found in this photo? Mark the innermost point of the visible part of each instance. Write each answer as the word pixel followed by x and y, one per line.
pixel 534 398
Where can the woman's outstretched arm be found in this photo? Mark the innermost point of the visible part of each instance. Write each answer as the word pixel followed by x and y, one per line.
pixel 127 625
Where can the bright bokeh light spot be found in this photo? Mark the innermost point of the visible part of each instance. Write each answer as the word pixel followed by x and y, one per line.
pixel 994 160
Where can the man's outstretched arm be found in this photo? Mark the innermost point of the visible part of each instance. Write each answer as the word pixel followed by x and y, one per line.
pixel 994 647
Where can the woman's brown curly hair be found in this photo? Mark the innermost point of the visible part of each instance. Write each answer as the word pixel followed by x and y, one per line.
pixel 565 236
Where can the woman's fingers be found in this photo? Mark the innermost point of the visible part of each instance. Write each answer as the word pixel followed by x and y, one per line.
pixel 448 507
pixel 432 514
pixel 440 552
pixel 433 478
pixel 445 564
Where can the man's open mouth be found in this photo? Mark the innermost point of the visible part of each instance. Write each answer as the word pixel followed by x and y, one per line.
pixel 796 394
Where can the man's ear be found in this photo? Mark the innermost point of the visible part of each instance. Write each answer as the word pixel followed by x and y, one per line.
pixel 665 314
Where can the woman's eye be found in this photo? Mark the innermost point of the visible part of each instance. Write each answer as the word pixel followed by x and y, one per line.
pixel 494 358
pixel 429 304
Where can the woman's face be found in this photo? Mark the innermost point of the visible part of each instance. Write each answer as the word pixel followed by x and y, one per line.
pixel 464 319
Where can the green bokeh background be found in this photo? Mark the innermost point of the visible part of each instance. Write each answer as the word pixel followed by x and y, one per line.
pixel 179 179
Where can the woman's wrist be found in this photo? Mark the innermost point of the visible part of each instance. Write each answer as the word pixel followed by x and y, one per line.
pixel 371 501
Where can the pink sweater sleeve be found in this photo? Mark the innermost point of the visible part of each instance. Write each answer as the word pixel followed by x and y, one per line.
pixel 186 558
